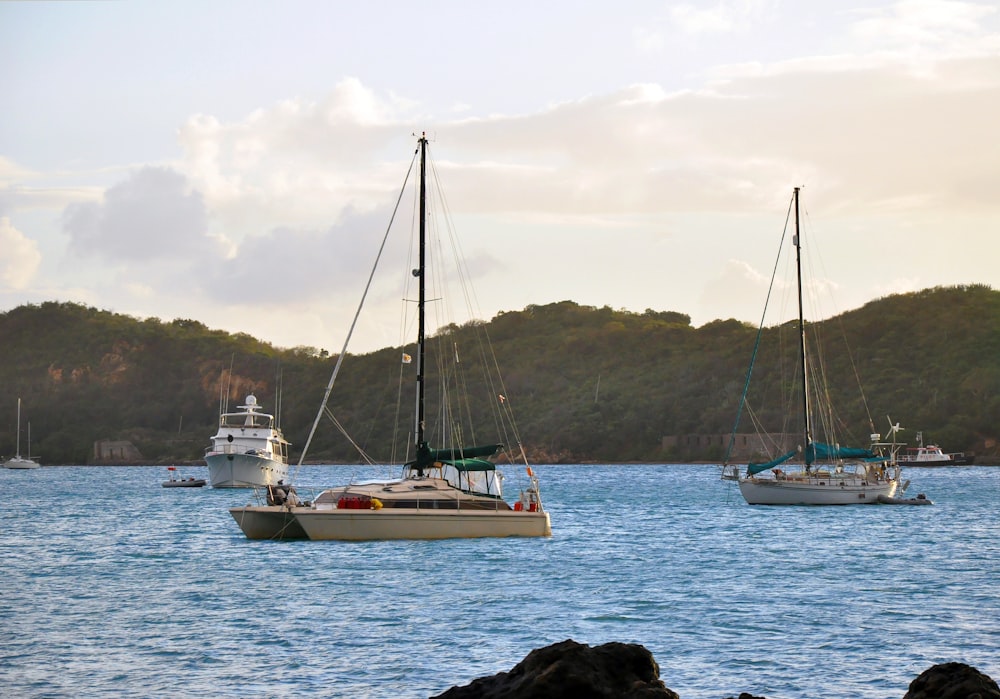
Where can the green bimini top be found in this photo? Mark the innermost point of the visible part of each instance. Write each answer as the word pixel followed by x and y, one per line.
pixel 471 464
pixel 462 458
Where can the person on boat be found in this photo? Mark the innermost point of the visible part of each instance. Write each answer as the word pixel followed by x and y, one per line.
pixel 276 494
pixel 291 499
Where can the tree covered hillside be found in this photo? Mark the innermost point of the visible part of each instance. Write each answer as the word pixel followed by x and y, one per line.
pixel 587 383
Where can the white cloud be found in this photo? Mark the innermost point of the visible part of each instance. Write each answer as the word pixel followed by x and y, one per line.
pixel 917 23
pixel 11 172
pixel 719 18
pixel 648 40
pixel 152 215
pixel 301 266
pixel 696 20
pixel 21 258
pixel 298 163
pixel 740 287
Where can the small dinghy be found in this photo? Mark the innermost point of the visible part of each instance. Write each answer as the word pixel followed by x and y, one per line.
pixel 921 499
pixel 175 482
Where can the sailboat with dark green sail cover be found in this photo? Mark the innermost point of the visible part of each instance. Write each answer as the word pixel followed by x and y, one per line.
pixel 815 471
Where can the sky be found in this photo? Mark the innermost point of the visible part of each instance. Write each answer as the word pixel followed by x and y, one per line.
pixel 235 162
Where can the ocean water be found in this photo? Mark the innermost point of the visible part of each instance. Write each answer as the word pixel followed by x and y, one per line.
pixel 116 587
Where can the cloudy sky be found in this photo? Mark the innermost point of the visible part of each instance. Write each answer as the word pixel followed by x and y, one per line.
pixel 234 162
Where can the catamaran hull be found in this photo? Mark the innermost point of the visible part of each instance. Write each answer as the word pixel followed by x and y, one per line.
pixel 244 471
pixel 400 523
pixel 768 491
pixel 267 522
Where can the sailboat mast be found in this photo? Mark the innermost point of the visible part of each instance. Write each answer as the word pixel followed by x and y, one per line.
pixel 419 426
pixel 802 337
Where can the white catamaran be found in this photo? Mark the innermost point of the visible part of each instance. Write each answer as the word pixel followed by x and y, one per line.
pixel 452 491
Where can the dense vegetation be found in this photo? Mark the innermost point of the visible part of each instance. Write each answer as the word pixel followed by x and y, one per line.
pixel 588 383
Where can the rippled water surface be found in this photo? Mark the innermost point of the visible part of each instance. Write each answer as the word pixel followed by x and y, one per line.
pixel 116 587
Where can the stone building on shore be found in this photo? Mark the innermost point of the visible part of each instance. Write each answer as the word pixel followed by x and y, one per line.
pixel 109 451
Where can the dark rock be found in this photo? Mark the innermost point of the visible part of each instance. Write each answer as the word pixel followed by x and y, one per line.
pixel 952 681
pixel 571 670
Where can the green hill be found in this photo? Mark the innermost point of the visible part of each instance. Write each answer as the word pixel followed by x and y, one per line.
pixel 589 384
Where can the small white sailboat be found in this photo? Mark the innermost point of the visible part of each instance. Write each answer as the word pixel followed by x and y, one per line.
pixel 248 450
pixel 21 462
pixel 450 492
pixel 817 472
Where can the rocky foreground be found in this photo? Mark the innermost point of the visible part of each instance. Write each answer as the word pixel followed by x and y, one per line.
pixel 571 670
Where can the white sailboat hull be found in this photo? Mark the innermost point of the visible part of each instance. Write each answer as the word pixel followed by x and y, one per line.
pixel 20 462
pixel 244 470
pixel 405 523
pixel 815 491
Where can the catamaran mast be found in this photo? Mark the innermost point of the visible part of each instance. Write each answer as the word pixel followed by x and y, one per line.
pixel 419 272
pixel 802 339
